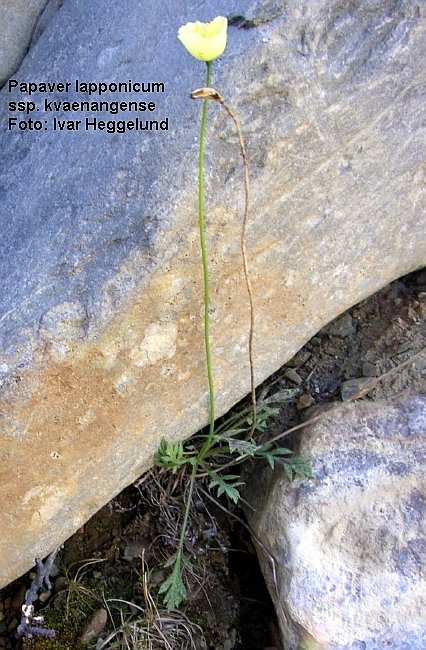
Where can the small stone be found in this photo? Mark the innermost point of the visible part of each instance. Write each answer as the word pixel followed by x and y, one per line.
pixel 294 376
pixel 369 370
pixel 342 326
pixel 404 347
pixel 352 387
pixel 315 342
pixel 61 583
pixel 135 548
pixel 157 577
pixel 422 305
pixel 95 626
pixel 420 363
pixel 305 401
pixel 44 596
pixel 300 358
pixel 229 643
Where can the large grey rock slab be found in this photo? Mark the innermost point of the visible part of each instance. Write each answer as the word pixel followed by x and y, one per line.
pixel 101 304
pixel 17 22
pixel 344 553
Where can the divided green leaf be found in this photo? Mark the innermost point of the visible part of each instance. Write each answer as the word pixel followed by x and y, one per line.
pixel 227 485
pixel 173 588
pixel 248 447
pixel 263 415
pixel 272 454
pixel 170 455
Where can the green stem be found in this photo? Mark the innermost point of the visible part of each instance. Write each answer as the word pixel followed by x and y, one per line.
pixel 201 223
pixel 187 510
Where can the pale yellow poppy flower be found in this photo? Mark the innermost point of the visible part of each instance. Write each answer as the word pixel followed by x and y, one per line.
pixel 205 41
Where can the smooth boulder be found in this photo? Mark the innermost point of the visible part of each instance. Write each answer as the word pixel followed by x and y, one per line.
pixel 343 553
pixel 101 315
pixel 18 19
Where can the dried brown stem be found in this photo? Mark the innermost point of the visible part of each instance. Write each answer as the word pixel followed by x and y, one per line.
pixel 212 93
pixel 361 393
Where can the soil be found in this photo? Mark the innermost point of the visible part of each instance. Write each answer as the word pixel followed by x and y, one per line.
pixel 120 552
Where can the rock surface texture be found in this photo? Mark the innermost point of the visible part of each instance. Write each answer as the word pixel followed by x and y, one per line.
pixel 101 307
pixel 349 545
pixel 17 22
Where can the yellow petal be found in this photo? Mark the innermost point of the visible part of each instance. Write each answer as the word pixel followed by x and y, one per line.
pixel 205 41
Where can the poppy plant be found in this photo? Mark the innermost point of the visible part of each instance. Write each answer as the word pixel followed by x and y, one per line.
pixel 205 41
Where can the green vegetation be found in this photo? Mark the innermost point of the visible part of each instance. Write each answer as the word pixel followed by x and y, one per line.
pixel 216 456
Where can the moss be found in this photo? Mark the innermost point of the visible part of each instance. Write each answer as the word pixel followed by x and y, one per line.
pixel 67 619
pixel 67 632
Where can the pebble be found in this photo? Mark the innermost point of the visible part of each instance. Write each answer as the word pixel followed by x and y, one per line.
pixel 369 370
pixel 94 627
pixel 135 548
pixel 315 342
pixel 230 642
pixel 305 401
pixel 352 387
pixel 61 584
pixel 299 358
pixel 157 577
pixel 404 347
pixel 44 596
pixel 294 376
pixel 420 363
pixel 342 326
